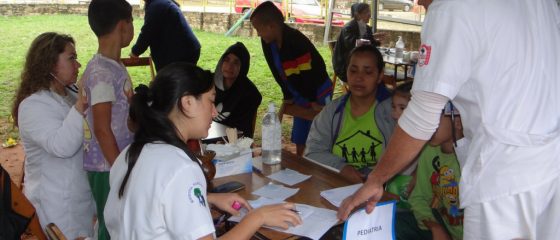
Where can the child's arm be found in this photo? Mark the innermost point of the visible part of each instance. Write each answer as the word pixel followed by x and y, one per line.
pixel 438 231
pixel 102 130
pixel 422 195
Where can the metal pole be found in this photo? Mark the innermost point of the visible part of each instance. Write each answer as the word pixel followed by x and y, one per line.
pixel 375 12
pixel 328 22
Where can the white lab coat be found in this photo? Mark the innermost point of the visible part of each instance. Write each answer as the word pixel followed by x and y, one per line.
pixel 499 62
pixel 52 134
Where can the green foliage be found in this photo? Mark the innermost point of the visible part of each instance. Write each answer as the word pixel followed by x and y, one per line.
pixel 19 32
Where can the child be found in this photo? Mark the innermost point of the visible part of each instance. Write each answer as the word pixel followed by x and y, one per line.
pixel 400 97
pixel 400 186
pixel 435 198
pixel 158 188
pixel 237 98
pixel 296 65
pixel 109 89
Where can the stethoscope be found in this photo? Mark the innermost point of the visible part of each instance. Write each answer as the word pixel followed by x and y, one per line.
pixel 73 88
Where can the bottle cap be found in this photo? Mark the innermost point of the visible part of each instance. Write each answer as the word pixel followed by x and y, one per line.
pixel 236 205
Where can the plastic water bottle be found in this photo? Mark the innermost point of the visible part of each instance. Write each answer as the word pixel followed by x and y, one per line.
pixel 271 137
pixel 399 50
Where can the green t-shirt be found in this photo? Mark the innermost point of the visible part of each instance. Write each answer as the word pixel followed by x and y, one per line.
pixel 359 140
pixel 437 187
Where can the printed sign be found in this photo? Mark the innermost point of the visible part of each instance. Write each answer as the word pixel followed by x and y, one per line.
pixel 379 225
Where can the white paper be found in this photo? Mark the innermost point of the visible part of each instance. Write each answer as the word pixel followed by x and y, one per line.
pixel 336 195
pixel 262 201
pixel 275 191
pixel 289 177
pixel 322 165
pixel 378 225
pixel 316 221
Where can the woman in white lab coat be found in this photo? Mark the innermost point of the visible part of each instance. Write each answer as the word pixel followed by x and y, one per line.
pixel 48 112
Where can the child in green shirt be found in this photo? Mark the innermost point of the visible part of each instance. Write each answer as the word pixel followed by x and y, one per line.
pixel 435 198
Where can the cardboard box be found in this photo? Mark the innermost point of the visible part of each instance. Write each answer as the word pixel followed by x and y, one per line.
pixel 242 163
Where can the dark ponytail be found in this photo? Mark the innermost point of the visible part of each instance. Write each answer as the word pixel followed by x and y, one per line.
pixel 150 107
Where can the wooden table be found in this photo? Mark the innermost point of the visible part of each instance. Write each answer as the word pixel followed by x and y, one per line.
pixel 309 190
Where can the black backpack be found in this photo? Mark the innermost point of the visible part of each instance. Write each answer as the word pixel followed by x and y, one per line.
pixel 12 224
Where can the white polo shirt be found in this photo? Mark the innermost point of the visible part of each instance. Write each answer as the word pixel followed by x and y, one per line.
pixel 499 61
pixel 165 197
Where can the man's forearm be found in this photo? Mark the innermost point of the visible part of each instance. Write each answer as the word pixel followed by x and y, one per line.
pixel 402 150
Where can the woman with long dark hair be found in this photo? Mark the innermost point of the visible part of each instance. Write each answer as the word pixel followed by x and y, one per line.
pixel 158 188
pixel 48 111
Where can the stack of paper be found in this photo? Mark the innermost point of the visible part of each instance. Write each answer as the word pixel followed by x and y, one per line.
pixel 316 221
pixel 336 195
pixel 289 177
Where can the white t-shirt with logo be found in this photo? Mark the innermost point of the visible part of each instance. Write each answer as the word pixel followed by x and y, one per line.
pixel 499 61
pixel 165 197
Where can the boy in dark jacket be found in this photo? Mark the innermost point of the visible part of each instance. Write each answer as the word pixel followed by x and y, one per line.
pixel 167 33
pixel 237 98
pixel 296 65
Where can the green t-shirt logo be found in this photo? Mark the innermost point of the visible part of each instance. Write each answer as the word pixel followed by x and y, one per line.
pixel 359 140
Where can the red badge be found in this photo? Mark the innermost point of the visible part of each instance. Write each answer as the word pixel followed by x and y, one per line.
pixel 424 55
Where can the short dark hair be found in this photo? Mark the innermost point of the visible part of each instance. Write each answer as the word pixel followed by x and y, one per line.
pixel 103 15
pixel 368 48
pixel 404 90
pixel 268 13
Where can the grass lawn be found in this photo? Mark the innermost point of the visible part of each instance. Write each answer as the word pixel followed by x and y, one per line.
pixel 19 32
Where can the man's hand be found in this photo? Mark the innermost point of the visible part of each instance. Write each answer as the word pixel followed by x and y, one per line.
pixel 370 193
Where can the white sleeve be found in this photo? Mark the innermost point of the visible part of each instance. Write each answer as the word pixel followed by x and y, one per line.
pixel 60 136
pixel 421 117
pixel 449 49
pixel 185 205
pixel 102 92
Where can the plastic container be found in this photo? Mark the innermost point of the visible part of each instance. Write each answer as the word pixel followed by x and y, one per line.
pixel 399 50
pixel 271 137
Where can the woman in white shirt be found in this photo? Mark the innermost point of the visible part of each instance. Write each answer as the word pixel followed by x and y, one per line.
pixel 158 188
pixel 48 112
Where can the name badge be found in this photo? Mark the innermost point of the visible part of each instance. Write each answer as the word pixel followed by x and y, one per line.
pixel 380 224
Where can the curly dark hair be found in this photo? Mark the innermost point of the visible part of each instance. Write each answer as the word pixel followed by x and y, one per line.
pixel 41 59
